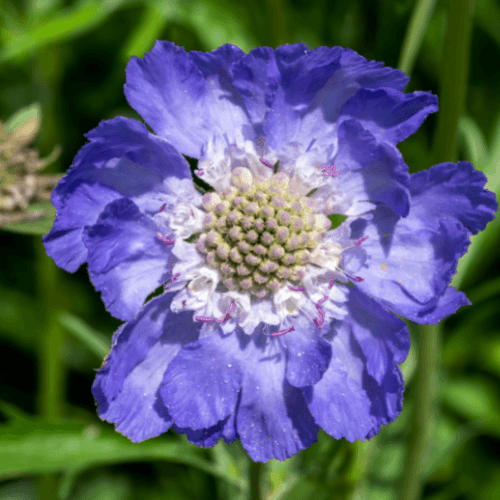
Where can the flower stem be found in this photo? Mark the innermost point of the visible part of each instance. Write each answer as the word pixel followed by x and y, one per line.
pixel 256 471
pixel 454 81
pixel 429 357
pixel 51 368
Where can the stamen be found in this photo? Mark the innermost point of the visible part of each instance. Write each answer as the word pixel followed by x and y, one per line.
pixel 226 316
pixel 319 322
pixel 165 240
pixel 330 170
pixel 282 332
pixel 364 238
pixel 297 288
pixel 199 172
pixel 265 162
pixel 357 279
pixel 162 208
pixel 204 319
pixel 332 281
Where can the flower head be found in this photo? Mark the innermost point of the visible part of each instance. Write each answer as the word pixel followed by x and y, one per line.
pixel 272 323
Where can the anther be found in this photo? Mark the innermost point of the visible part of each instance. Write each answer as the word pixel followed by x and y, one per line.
pixel 297 288
pixel 265 162
pixel 165 240
pixel 204 319
pixel 162 208
pixel 282 332
pixel 364 238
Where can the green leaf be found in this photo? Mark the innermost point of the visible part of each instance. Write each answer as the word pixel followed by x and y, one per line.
pixel 36 446
pixel 95 341
pixel 66 24
pixel 336 220
pixel 39 226
pixel 475 142
pixel 33 112
pixel 414 37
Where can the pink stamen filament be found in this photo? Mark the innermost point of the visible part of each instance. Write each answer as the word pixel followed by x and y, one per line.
pixel 319 322
pixel 358 279
pixel 332 281
pixel 297 288
pixel 165 240
pixel 204 319
pixel 330 170
pixel 226 316
pixel 265 162
pixel 162 208
pixel 364 238
pixel 282 332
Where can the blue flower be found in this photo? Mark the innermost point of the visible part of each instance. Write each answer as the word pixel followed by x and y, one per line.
pixel 271 324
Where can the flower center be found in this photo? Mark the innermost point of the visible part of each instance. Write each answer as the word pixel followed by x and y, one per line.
pixel 259 232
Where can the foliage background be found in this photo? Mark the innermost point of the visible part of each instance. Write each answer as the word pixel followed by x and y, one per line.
pixel 70 56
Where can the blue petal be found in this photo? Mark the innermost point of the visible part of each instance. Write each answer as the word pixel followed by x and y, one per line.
pixel 348 401
pixel 382 337
pixel 385 175
pixel 187 98
pixel 455 191
pixel 273 420
pixel 122 159
pixel 408 263
pixel 312 88
pixel 389 114
pixel 126 387
pixel 126 259
pixel 308 354
pixel 201 385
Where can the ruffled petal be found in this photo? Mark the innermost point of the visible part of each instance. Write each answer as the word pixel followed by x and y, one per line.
pixel 362 387
pixel 201 385
pixel 308 354
pixel 126 259
pixel 384 174
pixel 187 98
pixel 121 159
pixel 408 263
pixel 273 420
pixel 455 191
pixel 390 115
pixel 313 85
pixel 126 387
pixel 405 265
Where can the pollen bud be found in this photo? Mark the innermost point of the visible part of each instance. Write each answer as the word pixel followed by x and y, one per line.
pixel 213 238
pixel 229 192
pixel 284 217
pixel 209 220
pixel 267 211
pixel 260 250
pixel 280 179
pixel 230 283
pixel 276 252
pixel 223 251
pixel 297 223
pixel 227 268
pixel 235 256
pixel 201 244
pixel 293 243
pixel 210 200
pixel 235 233
pixel 303 257
pixel 234 216
pixel 251 208
pixel 222 207
pixel 221 223
pixel 243 270
pixel 252 260
pixel 289 259
pixel 244 246
pixel 260 278
pixel 246 283
pixel 252 236
pixel 298 273
pixel 258 224
pixel 282 234
pixel 278 202
pixel 247 222
pixel 268 266
pixel 272 223
pixel 211 259
pixel 266 238
pixel 241 177
pixel 261 182
pixel 274 285
pixel 284 272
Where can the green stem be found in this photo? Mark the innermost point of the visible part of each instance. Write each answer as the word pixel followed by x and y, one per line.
pixel 425 403
pixel 452 99
pixel 415 34
pixel 454 78
pixel 51 379
pixel 256 472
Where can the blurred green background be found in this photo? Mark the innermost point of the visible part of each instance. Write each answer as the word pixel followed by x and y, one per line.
pixel 70 56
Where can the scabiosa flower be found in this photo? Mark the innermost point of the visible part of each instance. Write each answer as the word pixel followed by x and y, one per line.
pixel 271 323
